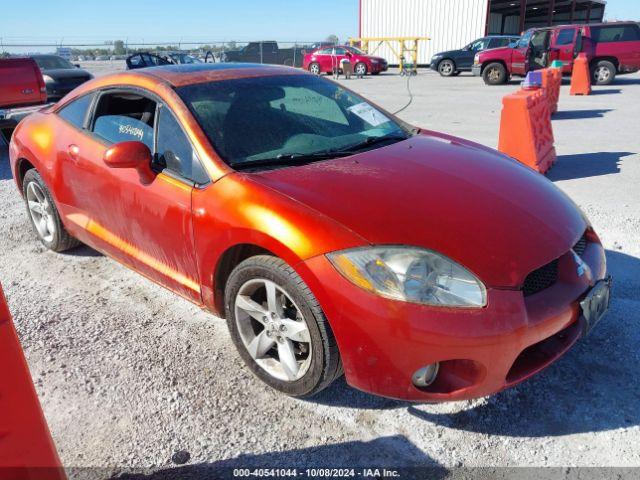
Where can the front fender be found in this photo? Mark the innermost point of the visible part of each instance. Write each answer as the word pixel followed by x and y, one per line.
pixel 238 211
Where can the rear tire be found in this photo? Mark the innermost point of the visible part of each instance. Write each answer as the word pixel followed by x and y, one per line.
pixel 447 68
pixel 495 74
pixel 315 68
pixel 44 215
pixel 603 73
pixel 251 316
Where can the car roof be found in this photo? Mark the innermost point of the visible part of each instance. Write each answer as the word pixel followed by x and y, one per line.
pixel 189 74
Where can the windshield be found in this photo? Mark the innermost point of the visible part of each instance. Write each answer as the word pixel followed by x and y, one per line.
pixel 525 40
pixel 52 62
pixel 252 120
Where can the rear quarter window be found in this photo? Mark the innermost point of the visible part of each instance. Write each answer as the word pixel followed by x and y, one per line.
pixel 615 33
pixel 76 112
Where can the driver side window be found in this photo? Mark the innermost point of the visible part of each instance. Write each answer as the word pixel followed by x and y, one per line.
pixel 174 150
pixel 124 117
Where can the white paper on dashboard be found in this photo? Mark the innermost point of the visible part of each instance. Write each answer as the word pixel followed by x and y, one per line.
pixel 369 114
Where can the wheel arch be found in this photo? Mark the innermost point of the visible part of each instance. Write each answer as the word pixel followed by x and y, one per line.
pixel 486 63
pixel 227 262
pixel 23 165
pixel 611 59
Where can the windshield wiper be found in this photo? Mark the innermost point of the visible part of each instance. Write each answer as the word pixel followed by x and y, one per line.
pixel 285 159
pixel 371 141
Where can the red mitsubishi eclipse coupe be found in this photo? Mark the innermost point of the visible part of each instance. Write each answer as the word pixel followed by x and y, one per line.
pixel 331 235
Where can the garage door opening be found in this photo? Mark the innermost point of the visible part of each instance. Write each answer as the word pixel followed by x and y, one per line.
pixel 509 17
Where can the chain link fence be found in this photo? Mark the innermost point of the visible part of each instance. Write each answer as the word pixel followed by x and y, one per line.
pixel 290 53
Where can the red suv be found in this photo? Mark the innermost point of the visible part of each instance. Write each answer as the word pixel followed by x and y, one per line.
pixel 325 59
pixel 612 48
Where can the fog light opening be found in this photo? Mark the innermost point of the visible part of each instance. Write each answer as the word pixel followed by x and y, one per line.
pixel 425 376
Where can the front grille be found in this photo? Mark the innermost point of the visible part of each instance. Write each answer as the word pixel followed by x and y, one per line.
pixel 547 275
pixel 581 246
pixel 541 278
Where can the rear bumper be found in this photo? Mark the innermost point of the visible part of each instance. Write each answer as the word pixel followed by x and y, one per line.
pixel 10 118
pixel 17 114
pixel 480 351
pixel 476 70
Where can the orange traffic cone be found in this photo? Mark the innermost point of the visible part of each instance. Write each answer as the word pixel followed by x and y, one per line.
pixel 581 76
pixel 26 447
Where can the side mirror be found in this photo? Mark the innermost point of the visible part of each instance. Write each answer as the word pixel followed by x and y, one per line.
pixel 131 155
pixel 77 65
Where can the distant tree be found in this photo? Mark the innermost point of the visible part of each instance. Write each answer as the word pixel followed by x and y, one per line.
pixel 231 46
pixel 118 47
pixel 333 39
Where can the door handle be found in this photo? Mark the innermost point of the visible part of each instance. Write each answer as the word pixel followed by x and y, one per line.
pixel 73 151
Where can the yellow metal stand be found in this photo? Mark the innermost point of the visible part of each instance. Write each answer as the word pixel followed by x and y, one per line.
pixel 402 47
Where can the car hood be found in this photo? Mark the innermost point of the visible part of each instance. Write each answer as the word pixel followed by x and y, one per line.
pixel 496 217
pixel 500 52
pixel 448 52
pixel 59 73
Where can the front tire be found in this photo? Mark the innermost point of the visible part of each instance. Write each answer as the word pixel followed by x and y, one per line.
pixel 495 74
pixel 44 215
pixel 603 73
pixel 279 328
pixel 446 68
pixel 360 69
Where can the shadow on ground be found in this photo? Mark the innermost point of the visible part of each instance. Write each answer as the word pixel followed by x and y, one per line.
pixel 580 114
pixel 583 165
pixel 383 452
pixel 82 251
pixel 5 167
pixel 592 388
pixel 605 91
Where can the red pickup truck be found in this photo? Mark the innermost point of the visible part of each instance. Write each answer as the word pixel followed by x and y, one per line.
pixel 612 49
pixel 22 91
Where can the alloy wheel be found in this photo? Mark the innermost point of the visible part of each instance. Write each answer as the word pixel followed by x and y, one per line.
pixel 361 69
pixel 315 69
pixel 602 74
pixel 273 329
pixel 446 68
pixel 41 212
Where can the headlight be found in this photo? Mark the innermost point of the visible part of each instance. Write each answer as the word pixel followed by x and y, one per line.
pixel 411 275
pixel 47 79
pixel 374 61
pixel 436 57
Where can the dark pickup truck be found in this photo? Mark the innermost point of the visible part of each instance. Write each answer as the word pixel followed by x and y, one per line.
pixel 267 52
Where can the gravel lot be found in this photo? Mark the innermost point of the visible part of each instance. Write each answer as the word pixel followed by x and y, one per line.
pixel 128 373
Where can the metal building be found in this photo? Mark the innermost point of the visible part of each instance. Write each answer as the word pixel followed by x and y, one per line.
pixel 452 24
